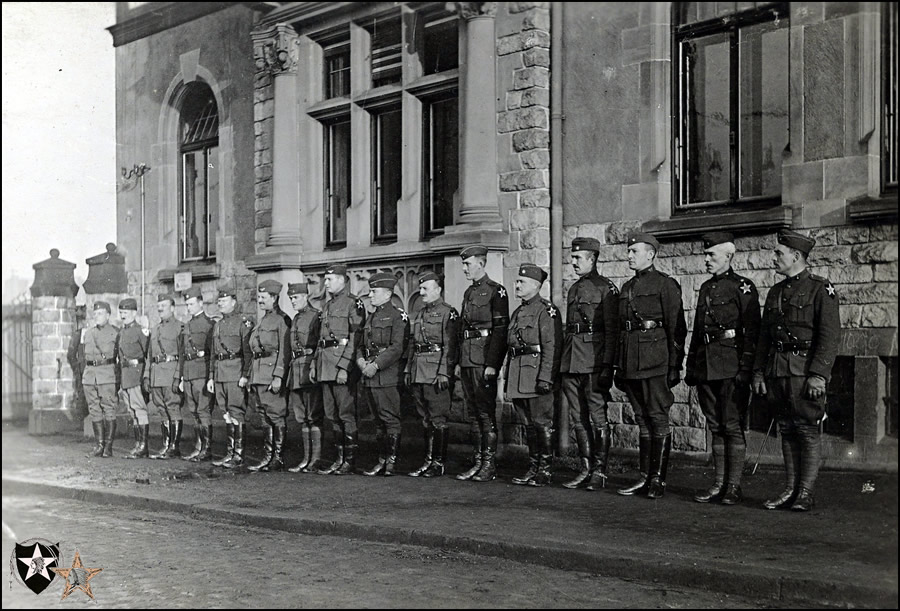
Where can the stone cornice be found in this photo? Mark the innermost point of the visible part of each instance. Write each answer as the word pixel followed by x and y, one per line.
pixel 276 49
pixel 474 10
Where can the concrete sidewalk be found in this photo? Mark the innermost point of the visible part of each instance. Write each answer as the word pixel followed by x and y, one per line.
pixel 843 553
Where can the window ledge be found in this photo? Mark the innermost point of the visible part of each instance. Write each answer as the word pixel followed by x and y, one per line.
pixel 691 225
pixel 869 208
pixel 200 270
pixel 327 109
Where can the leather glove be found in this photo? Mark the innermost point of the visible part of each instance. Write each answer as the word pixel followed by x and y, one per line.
pixel 690 379
pixel 276 385
pixel 604 380
pixel 815 387
pixel 341 376
pixel 176 387
pixel 759 383
pixel 543 387
pixel 673 378
pixel 407 379
pixel 145 385
pixel 742 379
pixel 442 382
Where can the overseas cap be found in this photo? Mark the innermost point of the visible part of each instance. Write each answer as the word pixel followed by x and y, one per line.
pixel 270 286
pixel 382 280
pixel 127 304
pixel 530 270
pixel 165 297
pixel 715 238
pixel 338 269
pixel 646 238
pixel 195 292
pixel 471 251
pixel 102 305
pixel 298 288
pixel 591 244
pixel 796 240
pixel 429 275
pixel 227 291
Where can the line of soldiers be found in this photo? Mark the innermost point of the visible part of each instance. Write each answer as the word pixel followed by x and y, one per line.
pixel 634 339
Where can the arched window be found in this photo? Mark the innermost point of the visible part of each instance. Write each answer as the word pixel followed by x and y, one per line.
pixel 198 196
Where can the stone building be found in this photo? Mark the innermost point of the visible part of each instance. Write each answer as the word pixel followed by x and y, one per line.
pixel 283 137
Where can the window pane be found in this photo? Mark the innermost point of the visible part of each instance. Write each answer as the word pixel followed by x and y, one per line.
pixel 386 52
pixel 707 87
pixel 212 172
pixel 337 72
pixel 388 172
pixel 337 175
pixel 441 45
pixel 442 163
pixel 194 219
pixel 763 60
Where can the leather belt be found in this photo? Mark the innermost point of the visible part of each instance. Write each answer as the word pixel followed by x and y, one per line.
pixel 331 343
pixel 100 362
pixel 227 356
pixel 644 325
pixel 792 346
pixel 426 348
pixel 716 335
pixel 262 355
pixel 200 354
pixel 471 333
pixel 579 327
pixel 523 350
pixel 165 359
pixel 132 362
pixel 301 352
pixel 372 352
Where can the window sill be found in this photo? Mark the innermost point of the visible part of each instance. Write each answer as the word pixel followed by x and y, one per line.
pixel 330 109
pixel 200 270
pixel 691 225
pixel 868 208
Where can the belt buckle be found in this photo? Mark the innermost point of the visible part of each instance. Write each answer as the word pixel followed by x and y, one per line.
pixel 779 346
pixel 628 325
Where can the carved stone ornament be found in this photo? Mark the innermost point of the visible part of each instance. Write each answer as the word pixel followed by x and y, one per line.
pixel 277 49
pixel 471 10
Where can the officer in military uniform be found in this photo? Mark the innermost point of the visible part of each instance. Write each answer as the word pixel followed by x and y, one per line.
pixel 161 376
pixel 229 370
pixel 131 355
pixel 650 356
pixel 482 333
pixel 535 341
pixel 798 342
pixel 720 362
pixel 193 368
pixel 99 376
pixel 305 397
pixel 588 356
pixel 270 345
pixel 343 316
pixel 431 358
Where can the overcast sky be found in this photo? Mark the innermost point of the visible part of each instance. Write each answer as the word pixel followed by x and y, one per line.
pixel 59 153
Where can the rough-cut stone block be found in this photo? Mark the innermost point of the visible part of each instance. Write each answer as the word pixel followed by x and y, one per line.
pixel 529 218
pixel 536 19
pixel 539 257
pixel 536 198
pixel 535 238
pixel 520 7
pixel 875 252
pixel 698 420
pixel 44 386
pixel 609 252
pixel 45 372
pixel 523 118
pixel 616 271
pixel 262 142
pixel 536 57
pixel 830 255
pixel 846 274
pixel 513 99
pixel 850 316
pixel 264 110
pixel 683 265
pixel 263 203
pixel 617 233
pixel 538 159
pixel 263 172
pixel 625 436
pixel 46 343
pixel 531 77
pixel 530 139
pixel 262 189
pixel 535 96
pixel 628 413
pixel 264 218
pixel 879 315
pixel 755 242
pixel 526 179
pixel 885 272
pixel 38 316
pixel 884 292
pixel 688 439
pixel 592 230
pixel 680 414
pixel 883 232
pixel 853 234
pixel 45 329
pixel 614 412
pixel 824 236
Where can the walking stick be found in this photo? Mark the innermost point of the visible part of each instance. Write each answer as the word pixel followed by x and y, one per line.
pixel 762 445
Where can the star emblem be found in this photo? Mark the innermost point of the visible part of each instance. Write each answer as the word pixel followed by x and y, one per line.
pixel 551 311
pixel 830 289
pixel 77 577
pixel 248 324
pixel 359 305
pixel 37 564
pixel 453 315
pixel 502 292
pixel 145 331
pixel 404 315
pixel 745 287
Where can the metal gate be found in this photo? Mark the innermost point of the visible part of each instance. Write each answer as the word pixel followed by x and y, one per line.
pixel 17 358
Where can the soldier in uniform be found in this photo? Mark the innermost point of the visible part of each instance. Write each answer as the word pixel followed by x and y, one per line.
pixel 342 320
pixel 430 359
pixel 305 396
pixel 229 369
pixel 270 345
pixel 485 316
pixel 99 377
pixel 588 355
pixel 161 375
pixel 535 343
pixel 131 355
pixel 650 356
pixel 798 342
pixel 720 362
pixel 379 357
pixel 193 367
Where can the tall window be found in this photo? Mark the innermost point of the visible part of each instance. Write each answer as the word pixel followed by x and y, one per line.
pixel 441 148
pixel 731 105
pixel 387 170
pixel 337 181
pixel 337 69
pixel 889 85
pixel 386 56
pixel 199 195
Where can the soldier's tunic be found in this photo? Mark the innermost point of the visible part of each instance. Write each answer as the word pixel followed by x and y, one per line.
pixel 305 396
pixel 99 372
pixel 162 368
pixel 592 332
pixel 383 342
pixel 651 342
pixel 131 354
pixel 535 342
pixel 342 317
pixel 230 361
pixel 269 346
pixel 723 343
pixel 799 337
pixel 433 351
pixel 194 362
pixel 482 339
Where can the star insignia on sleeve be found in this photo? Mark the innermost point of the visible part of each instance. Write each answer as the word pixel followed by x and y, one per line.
pixel 404 315
pixel 359 305
pixel 745 287
pixel 552 311
pixel 830 289
pixel 453 315
pixel 145 331
pixel 248 324
pixel 502 292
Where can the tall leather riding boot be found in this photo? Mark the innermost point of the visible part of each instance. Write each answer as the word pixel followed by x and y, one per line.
pixel 349 465
pixel 277 461
pixel 439 453
pixel 307 448
pixel 166 432
pixel 339 459
pixel 790 449
pixel 268 449
pixel 142 450
pixel 488 471
pixel 229 447
pixel 584 450
pixel 717 490
pixel 429 449
pixel 99 434
pixel 205 444
pixel 174 450
pixel 534 457
pixel 197 443
pixel 237 455
pixel 810 459
pixel 393 447
pixel 108 438
pixel 136 431
pixel 545 462
pixel 315 438
pixel 659 466
pixel 736 453
pixel 602 442
pixel 381 444
pixel 476 464
pixel 640 486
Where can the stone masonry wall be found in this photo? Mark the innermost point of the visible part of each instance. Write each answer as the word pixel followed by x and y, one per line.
pixel 53 322
pixel 263 126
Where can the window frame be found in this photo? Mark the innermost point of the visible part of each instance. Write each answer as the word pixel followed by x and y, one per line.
pixel 889 99
pixel 375 156
pixel 206 146
pixel 428 229
pixel 329 180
